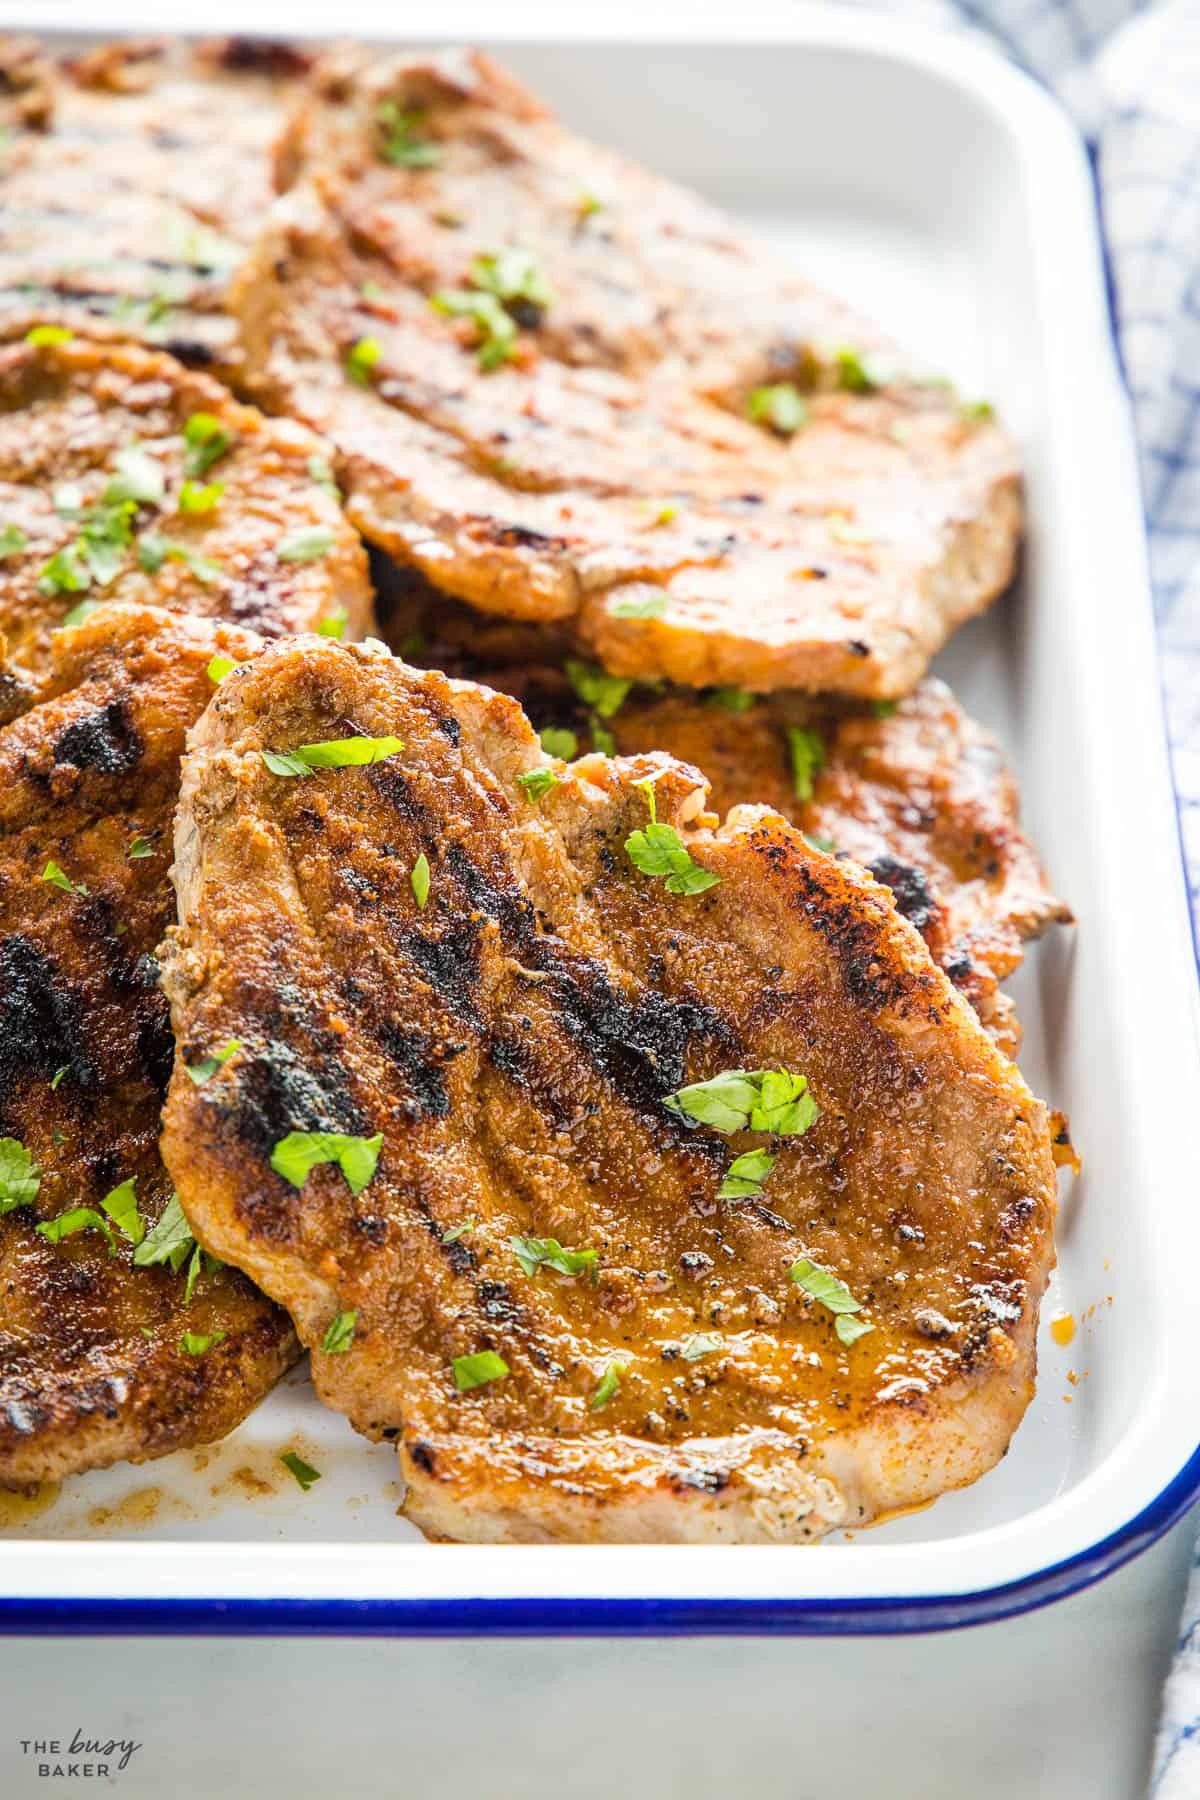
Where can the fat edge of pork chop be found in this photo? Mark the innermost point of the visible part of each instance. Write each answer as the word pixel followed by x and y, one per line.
pixel 711 471
pixel 103 1360
pixel 125 476
pixel 579 1317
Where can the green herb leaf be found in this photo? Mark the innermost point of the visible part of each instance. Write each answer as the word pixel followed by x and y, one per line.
pixel 537 783
pixel 807 752
pixel 322 474
pixel 219 668
pixel 731 699
pixel 20 1177
pixel 196 1343
pixel 139 847
pixel 12 541
pixel 883 709
pixel 457 1231
pixel 300 1151
pixel 334 753
pixel 771 1100
pixel 333 625
pixel 170 1241
pixel 977 411
pixel 154 550
pixel 139 478
pixel 477 1370
pixel 361 358
pixel 602 738
pixel 204 1070
pixel 120 1203
pixel 497 331
pixel 64 573
pixel 81 1218
pixel 745 1176
pixel 604 693
pixel 639 606
pixel 307 545
pixel 340 1333
pixel 79 613
pixel 816 840
pixel 58 1075
pixel 420 880
pixel 60 879
pixel 660 851
pixel 207 441
pixel 395 140
pixel 285 762
pixel 587 204
pixel 536 1253
pixel 200 497
pixel 832 1294
pixel 557 741
pixel 512 274
pixel 779 407
pixel 701 1344
pixel 201 1263
pixel 852 373
pixel 48 334
pixel 304 1472
pixel 609 1382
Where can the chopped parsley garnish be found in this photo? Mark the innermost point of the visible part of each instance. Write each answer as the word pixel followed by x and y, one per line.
pixel 779 407
pixel 48 334
pixel 457 1231
pixel 306 546
pixel 507 290
pixel 20 1176
pixel 361 359
pixel 807 752
pixel 772 1100
pixel 79 613
pixel 604 693
pixel 139 478
pixel 333 625
pixel 219 668
pixel 396 142
pixel 701 1344
pixel 745 1176
pixel 12 541
pixel 587 204
pixel 883 709
pixel 602 738
pixel 419 880
pixel 58 1075
pixel 340 1333
pixel 834 1295
pixel 64 573
pixel 660 851
pixel 322 474
pixel 477 1370
pixel 556 740
pixel 608 1384
pixel 207 441
pixel 852 374
pixel 301 1151
pixel 334 753
pixel 732 699
pixel 196 1343
pixel 60 879
pixel 170 1241
pixel 154 550
pixel 120 1203
pixel 537 783
pixel 639 606
pixel 497 330
pixel 978 411
pixel 80 1218
pixel 537 1253
pixel 817 840
pixel 199 496
pixel 204 1070
pixel 513 275
pixel 139 847
pixel 201 1262
pixel 304 1472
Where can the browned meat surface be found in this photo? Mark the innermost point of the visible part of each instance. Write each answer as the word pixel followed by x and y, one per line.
pixel 130 182
pixel 539 1288
pixel 94 1357
pixel 125 476
pixel 565 390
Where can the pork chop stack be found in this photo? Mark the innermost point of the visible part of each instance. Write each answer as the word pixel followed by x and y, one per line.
pixel 641 1175
pixel 567 391
pixel 118 1336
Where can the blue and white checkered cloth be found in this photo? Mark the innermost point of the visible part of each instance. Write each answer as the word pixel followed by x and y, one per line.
pixel 1129 71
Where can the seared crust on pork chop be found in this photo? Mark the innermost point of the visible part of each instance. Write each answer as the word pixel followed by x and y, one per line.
pixel 913 789
pixel 631 468
pixel 131 179
pixel 240 523
pixel 93 1366
pixel 513 1033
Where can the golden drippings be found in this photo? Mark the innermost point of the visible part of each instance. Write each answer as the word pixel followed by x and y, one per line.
pixel 20 1504
pixel 1062 1328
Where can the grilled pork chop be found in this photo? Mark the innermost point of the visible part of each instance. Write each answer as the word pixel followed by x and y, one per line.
pixel 131 179
pixel 914 789
pixel 124 475
pixel 109 1348
pixel 567 391
pixel 643 1187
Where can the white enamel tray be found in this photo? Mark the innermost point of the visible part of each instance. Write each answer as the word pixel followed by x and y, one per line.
pixel 944 194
